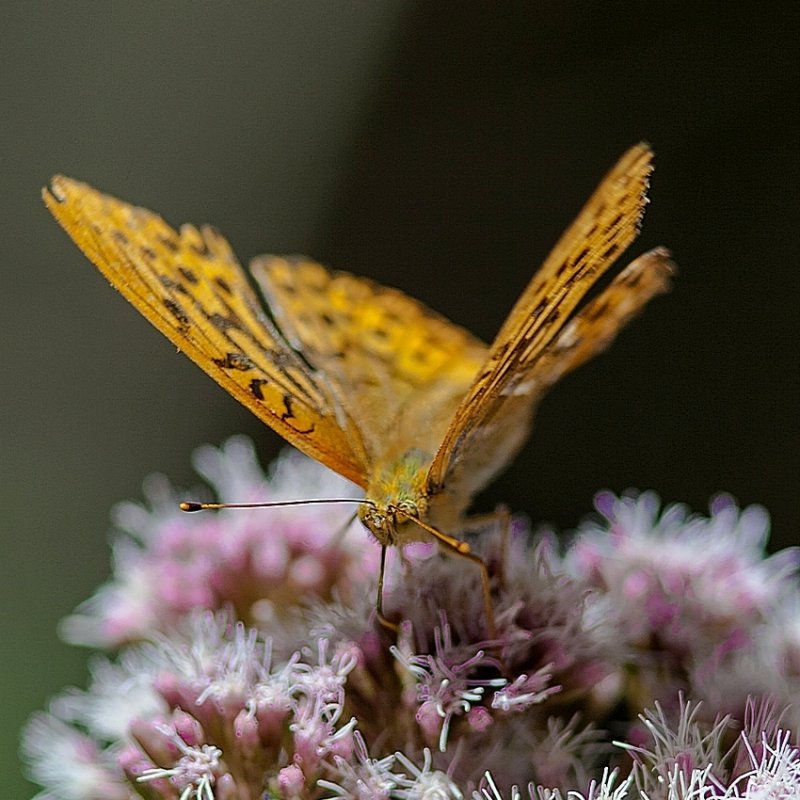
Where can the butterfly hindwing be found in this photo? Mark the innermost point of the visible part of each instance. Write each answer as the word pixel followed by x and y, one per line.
pixel 597 324
pixel 191 287
pixel 399 367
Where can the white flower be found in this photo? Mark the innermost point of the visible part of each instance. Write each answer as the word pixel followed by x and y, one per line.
pixel 195 773
pixel 775 774
pixel 70 765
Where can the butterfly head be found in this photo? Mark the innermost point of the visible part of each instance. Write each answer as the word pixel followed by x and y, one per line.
pixel 393 524
pixel 396 499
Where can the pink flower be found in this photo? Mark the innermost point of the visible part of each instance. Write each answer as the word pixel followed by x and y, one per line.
pixel 260 562
pixel 251 663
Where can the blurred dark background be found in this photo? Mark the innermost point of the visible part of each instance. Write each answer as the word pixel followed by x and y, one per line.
pixel 437 147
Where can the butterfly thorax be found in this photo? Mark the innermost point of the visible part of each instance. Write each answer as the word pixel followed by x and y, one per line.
pixel 396 494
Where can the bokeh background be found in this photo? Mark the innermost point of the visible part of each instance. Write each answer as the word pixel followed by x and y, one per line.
pixel 437 147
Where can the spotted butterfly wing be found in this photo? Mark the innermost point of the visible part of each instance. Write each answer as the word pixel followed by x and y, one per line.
pixel 541 340
pixel 399 368
pixel 189 284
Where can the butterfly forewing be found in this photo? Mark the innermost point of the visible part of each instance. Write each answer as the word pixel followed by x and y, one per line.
pixel 493 418
pixel 191 287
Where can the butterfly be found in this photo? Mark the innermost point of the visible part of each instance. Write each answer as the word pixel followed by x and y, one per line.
pixel 411 407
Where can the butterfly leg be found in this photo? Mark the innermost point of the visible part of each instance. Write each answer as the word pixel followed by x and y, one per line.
pixel 392 626
pixel 459 548
pixel 488 606
pixel 499 518
pixel 504 516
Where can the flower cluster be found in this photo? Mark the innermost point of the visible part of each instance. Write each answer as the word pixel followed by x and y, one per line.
pixel 168 563
pixel 694 603
pixel 655 655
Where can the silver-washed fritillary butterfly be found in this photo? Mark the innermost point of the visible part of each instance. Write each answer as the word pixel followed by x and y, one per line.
pixel 361 377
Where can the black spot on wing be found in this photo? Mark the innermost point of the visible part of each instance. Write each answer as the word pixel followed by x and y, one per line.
pixel 255 387
pixel 632 279
pixel 616 221
pixel 223 323
pixel 553 317
pixel 236 361
pixel 288 414
pixel 223 284
pixel 188 274
pixel 201 248
pixel 581 256
pixel 172 285
pixel 599 310
pixel 177 311
pixel 170 243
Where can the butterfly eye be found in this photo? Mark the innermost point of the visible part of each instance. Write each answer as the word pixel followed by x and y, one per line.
pixel 373 519
pixel 407 508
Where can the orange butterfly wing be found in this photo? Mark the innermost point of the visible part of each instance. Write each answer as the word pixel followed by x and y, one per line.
pixel 597 324
pixel 191 287
pixel 527 355
pixel 399 368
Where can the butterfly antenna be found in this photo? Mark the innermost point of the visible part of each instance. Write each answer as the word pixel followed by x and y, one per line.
pixel 461 548
pixel 190 507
